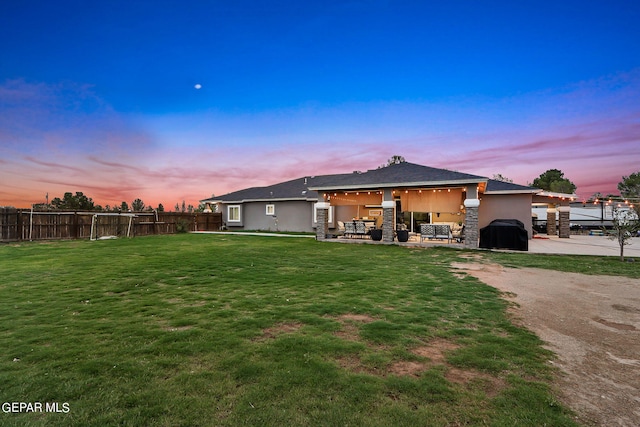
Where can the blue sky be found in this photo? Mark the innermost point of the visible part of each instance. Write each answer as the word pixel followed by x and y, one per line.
pixel 100 97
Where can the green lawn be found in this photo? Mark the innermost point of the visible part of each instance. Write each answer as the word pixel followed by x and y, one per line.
pixel 220 330
pixel 592 265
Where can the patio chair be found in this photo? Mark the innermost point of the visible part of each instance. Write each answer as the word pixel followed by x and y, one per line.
pixel 458 233
pixel 349 229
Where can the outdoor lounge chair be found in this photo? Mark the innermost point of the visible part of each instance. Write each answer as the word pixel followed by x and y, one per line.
pixel 458 233
pixel 349 229
pixel 435 231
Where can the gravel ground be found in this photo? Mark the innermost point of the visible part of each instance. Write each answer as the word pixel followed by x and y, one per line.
pixel 592 323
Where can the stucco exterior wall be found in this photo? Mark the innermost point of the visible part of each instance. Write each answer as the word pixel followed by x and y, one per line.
pixel 295 216
pixel 503 206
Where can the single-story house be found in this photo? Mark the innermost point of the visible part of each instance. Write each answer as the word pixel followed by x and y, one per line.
pixel 401 194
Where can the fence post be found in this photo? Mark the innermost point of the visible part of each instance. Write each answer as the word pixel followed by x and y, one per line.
pixel 75 225
pixel 19 225
pixel 20 233
pixel 155 221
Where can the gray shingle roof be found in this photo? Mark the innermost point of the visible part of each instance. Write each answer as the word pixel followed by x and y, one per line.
pixel 496 187
pixel 403 174
pixel 296 189
pixel 398 175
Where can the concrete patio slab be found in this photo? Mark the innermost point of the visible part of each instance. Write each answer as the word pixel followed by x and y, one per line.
pixel 583 245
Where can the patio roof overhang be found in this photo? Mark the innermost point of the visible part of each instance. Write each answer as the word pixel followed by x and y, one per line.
pixel 550 197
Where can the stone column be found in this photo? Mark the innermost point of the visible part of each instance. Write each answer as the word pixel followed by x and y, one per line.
pixel 322 217
pixel 551 220
pixel 471 227
pixel 387 220
pixel 564 231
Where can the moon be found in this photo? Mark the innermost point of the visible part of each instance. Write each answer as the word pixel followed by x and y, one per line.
pixel 198 86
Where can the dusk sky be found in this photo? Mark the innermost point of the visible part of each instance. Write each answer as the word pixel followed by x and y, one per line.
pixel 178 100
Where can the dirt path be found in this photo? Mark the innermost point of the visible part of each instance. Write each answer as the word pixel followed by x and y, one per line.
pixel 592 323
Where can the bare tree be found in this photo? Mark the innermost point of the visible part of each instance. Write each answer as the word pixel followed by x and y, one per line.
pixel 625 226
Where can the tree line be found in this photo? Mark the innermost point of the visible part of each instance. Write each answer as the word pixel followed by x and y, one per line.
pixel 80 202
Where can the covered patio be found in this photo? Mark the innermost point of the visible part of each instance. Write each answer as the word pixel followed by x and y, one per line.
pixel 412 209
pixel 381 200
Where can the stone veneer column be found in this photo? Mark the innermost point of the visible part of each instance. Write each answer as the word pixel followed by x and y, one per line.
pixel 387 221
pixel 322 216
pixel 471 230
pixel 551 220
pixel 564 231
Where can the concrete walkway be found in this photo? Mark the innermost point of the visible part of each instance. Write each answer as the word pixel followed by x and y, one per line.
pixel 583 245
pixel 250 233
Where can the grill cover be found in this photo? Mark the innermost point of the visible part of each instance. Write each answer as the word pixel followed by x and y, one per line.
pixel 504 234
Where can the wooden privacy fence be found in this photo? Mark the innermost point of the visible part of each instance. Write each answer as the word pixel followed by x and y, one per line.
pixel 23 224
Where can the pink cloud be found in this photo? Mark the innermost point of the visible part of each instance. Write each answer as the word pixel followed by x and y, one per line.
pixel 589 132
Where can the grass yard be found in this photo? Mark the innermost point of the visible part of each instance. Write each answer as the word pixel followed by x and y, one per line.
pixel 585 264
pixel 220 330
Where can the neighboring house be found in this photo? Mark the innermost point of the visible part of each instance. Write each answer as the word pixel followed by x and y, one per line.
pixel 403 193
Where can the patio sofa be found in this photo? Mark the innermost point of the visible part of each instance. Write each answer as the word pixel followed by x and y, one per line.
pixel 355 229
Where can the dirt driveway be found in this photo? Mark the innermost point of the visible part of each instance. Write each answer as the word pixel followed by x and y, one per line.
pixel 592 323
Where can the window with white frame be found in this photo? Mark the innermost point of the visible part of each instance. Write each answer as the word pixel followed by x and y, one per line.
pixel 271 209
pixel 315 214
pixel 233 213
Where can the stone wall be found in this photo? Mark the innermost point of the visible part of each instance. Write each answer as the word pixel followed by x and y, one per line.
pixel 322 228
pixel 551 222
pixel 387 225
pixel 565 226
pixel 471 232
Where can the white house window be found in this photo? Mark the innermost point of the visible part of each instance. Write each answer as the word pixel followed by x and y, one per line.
pixel 315 214
pixel 233 213
pixel 271 209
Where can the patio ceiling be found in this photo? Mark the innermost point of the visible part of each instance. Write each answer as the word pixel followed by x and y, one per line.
pixel 412 200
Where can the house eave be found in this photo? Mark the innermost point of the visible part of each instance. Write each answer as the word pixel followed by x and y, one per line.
pixel 373 186
pixel 555 195
pixel 551 197
pixel 281 199
pixel 533 191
